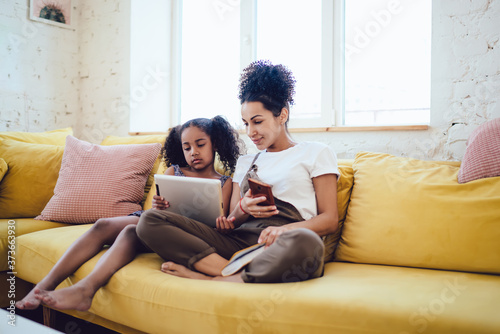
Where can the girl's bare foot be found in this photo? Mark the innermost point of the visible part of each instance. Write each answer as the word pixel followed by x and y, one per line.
pixel 175 269
pixel 29 302
pixel 77 297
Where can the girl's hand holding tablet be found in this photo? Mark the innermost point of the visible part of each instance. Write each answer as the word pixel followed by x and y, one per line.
pixel 159 203
pixel 225 225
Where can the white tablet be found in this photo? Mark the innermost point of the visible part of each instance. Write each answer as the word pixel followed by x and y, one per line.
pixel 193 197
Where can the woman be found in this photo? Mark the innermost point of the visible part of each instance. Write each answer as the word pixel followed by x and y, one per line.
pixel 304 180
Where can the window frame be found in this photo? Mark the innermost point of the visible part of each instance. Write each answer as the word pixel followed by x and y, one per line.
pixel 331 115
pixel 332 58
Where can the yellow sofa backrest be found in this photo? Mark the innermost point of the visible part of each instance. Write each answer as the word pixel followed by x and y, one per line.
pixel 408 212
pixel 33 161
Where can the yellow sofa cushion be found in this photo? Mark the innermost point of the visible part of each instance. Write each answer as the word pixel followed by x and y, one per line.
pixel 408 212
pixel 144 139
pixel 3 168
pixel 54 137
pixel 29 183
pixel 349 298
pixel 148 203
pixel 20 226
pixel 344 188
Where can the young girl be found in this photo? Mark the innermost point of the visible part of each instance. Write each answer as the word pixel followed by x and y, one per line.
pixel 304 183
pixel 189 150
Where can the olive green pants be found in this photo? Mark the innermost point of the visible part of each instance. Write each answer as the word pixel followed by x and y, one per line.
pixel 297 255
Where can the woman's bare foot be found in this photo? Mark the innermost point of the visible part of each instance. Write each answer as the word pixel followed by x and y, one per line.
pixel 175 269
pixel 29 302
pixel 77 297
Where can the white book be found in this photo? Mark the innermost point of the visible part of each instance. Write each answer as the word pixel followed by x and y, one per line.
pixel 242 258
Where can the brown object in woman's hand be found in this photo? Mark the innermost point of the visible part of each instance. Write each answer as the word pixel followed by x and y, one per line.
pixel 260 188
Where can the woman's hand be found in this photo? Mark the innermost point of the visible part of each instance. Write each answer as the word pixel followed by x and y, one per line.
pixel 250 206
pixel 272 233
pixel 224 225
pixel 159 203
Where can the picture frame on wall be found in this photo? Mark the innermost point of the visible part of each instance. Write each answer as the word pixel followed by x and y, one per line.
pixel 54 12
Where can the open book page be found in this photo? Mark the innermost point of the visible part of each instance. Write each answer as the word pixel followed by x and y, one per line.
pixel 242 258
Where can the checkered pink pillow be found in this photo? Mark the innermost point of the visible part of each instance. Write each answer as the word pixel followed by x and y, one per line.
pixel 99 181
pixel 482 156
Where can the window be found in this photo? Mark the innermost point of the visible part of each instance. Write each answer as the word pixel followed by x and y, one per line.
pixel 210 62
pixel 357 62
pixel 237 33
pixel 292 35
pixel 387 62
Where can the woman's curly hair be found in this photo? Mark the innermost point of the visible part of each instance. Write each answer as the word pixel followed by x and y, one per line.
pixel 225 140
pixel 272 85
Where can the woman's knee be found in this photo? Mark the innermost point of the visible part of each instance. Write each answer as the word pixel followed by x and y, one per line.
pixel 303 243
pixel 297 255
pixel 305 250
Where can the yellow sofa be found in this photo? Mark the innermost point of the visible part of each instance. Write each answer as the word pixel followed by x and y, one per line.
pixel 417 253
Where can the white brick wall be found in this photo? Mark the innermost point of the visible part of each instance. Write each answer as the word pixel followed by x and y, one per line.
pixel 51 77
pixel 465 86
pixel 61 77
pixel 104 64
pixel 39 84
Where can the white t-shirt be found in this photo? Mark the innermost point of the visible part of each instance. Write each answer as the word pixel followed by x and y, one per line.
pixel 290 172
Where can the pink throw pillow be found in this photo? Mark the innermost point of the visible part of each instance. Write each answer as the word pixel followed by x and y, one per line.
pixel 482 156
pixel 99 181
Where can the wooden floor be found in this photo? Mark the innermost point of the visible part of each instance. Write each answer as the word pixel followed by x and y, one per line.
pixel 66 323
